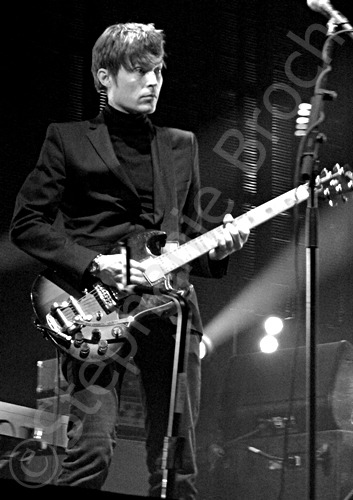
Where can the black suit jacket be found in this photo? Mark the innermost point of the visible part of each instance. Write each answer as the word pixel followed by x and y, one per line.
pixel 78 201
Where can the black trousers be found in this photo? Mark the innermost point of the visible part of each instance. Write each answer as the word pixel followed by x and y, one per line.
pixel 94 412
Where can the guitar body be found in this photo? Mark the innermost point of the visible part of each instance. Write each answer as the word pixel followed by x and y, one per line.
pixel 93 325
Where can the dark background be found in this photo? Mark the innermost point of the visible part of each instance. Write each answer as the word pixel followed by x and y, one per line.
pixel 228 62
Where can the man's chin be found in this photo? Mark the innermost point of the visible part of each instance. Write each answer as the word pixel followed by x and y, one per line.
pixel 147 110
pixel 144 109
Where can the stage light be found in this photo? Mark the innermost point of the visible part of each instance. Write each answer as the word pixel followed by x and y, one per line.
pixel 203 350
pixel 304 109
pixel 206 347
pixel 273 325
pixel 302 120
pixel 268 344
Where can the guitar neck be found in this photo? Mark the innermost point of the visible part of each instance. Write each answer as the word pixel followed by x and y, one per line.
pixel 201 245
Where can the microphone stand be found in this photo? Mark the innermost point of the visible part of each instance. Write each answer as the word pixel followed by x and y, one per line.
pixel 309 162
pixel 177 393
pixel 178 381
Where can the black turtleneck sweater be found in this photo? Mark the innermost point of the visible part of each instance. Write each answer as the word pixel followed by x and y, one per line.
pixel 131 138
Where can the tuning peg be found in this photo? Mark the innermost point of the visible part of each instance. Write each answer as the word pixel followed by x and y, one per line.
pixel 348 175
pixel 324 173
pixel 336 168
pixel 347 168
pixel 335 183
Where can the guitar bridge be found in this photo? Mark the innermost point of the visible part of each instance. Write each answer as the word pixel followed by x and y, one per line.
pixel 66 325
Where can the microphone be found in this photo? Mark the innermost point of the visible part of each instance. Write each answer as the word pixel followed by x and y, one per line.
pixel 325 8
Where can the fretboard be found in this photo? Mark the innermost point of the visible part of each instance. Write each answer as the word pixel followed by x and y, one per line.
pixel 169 262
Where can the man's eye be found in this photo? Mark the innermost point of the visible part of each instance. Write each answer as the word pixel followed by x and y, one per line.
pixel 139 70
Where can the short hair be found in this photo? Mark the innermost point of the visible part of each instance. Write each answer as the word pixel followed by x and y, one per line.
pixel 125 45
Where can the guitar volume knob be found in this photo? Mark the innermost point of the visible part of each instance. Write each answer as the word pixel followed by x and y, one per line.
pixel 117 331
pixel 102 347
pixel 78 339
pixel 96 335
pixel 84 351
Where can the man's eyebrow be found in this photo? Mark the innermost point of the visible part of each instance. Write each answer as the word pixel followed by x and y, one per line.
pixel 148 64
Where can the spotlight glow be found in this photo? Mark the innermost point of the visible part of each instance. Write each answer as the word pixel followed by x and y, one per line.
pixel 268 344
pixel 273 325
pixel 206 347
pixel 203 350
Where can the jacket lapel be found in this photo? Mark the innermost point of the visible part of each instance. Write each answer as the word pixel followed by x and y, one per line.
pixel 99 137
pixel 165 202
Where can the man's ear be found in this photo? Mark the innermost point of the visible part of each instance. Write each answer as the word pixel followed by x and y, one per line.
pixel 103 77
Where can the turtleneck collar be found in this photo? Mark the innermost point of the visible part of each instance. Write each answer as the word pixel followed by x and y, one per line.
pixel 126 123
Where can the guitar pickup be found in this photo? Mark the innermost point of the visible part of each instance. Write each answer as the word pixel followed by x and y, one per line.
pixel 104 297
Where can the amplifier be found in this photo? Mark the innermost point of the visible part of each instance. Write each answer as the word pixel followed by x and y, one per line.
pixel 31 444
pixel 52 387
pixel 53 397
pixel 49 377
pixel 254 469
pixel 269 391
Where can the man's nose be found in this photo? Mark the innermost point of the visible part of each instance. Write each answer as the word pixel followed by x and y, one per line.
pixel 151 78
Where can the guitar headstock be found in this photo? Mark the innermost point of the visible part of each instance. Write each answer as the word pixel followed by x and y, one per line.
pixel 331 184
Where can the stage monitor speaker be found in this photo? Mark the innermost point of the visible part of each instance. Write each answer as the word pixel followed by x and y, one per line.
pixel 35 467
pixel 128 472
pixel 15 488
pixel 253 469
pixel 270 389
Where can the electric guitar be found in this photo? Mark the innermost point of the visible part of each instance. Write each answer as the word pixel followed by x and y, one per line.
pixel 93 325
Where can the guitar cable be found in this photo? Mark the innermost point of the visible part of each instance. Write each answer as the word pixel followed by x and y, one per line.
pixel 57 413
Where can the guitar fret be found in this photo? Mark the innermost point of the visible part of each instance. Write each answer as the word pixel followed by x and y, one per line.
pixel 187 252
pixel 270 209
